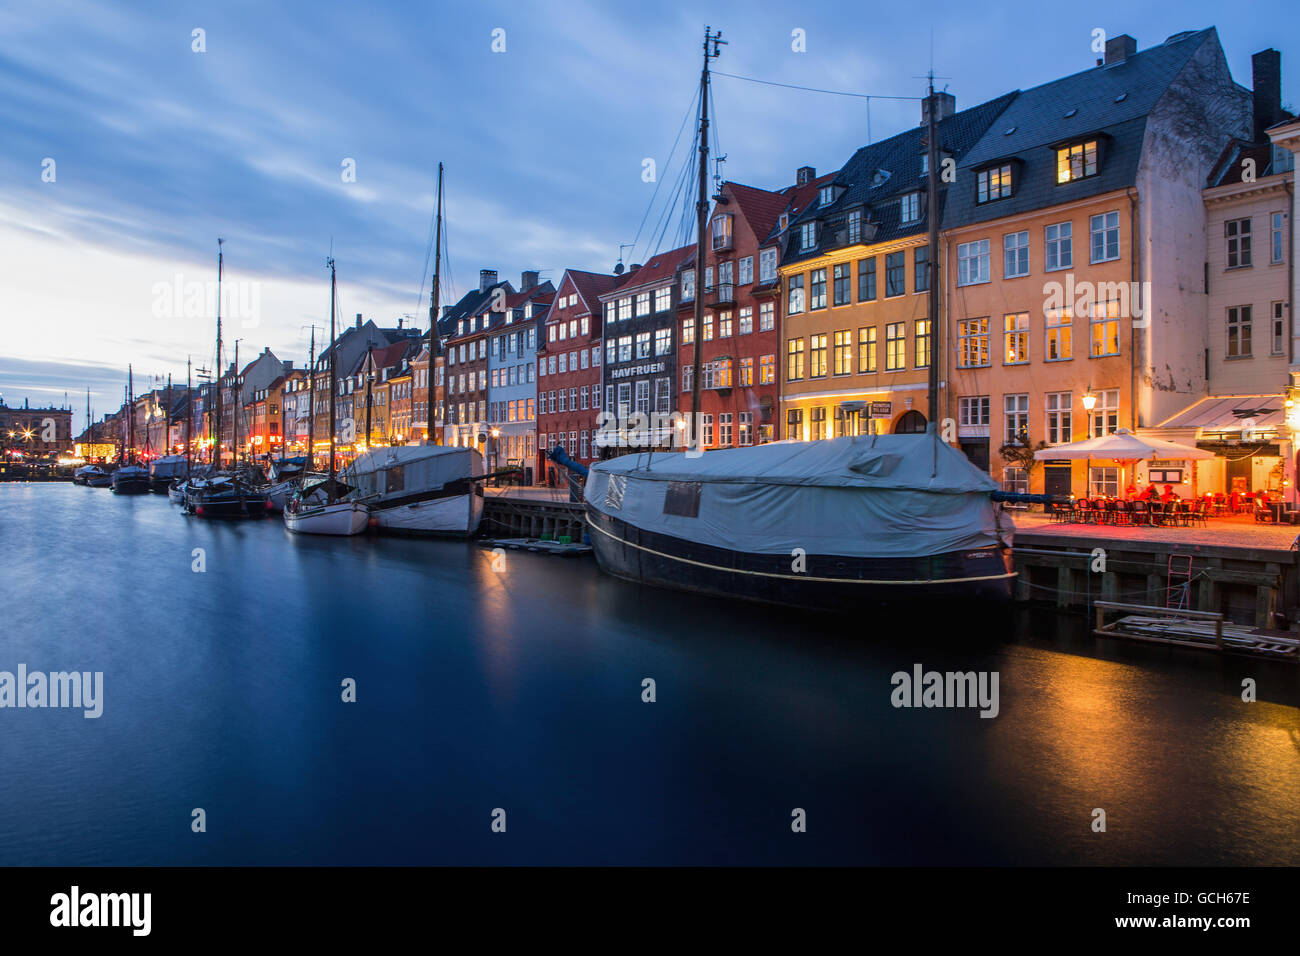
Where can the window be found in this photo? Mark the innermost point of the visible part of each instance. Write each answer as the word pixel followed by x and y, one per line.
pixel 746 320
pixel 663 299
pixel 582 356
pixel 855 226
pixel 1104 419
pixel 582 444
pixel 794 361
pixel 973 410
pixel 746 372
pixel 844 353
pixel 687 377
pixel 841 289
pixel 724 325
pixel 609 398
pixel 1058 334
pixel 817 418
pixel 625 348
pixel 921 276
pixel 973 343
pixel 1277 235
pixel 582 396
pixel 564 362
pixel 624 399
pixel 766 369
pixel 909 208
pixel 688 331
pixel 564 405
pixel 1104 233
pixel 663 341
pixel 1015 480
pixel 663 387
pixel 706 430
pixel 708 327
pixel 993 183
pixel 1059 241
pixel 1104 323
pixel 724 429
pixel 817 290
pixel 1077 161
pixel 1015 339
pixel 807 236
pixel 1015 418
pixel 817 356
pixel 826 196
pixel 722 232
pixel 794 300
pixel 1237 232
pixel 922 343
pixel 767 317
pixel 1103 481
pixel 1279 330
pixel 895 346
pixel 794 424
pixel 1015 255
pixel 1058 417
pixel 766 265
pixel 973 262
pixel 643 395
pixel 895 281
pixel 643 345
pixel 595 356
pixel 746 271
pixel 746 428
pixel 611 350
pixel 867 350
pixel 1239 331
pixel 866 280
pixel 688 285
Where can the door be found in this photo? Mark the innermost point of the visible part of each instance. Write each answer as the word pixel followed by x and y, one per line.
pixel 1239 475
pixel 1056 480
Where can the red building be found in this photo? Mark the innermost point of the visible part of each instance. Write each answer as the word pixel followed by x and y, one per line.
pixel 568 371
pixel 740 395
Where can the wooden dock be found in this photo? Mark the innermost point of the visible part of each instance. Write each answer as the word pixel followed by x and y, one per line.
pixel 561 548
pixel 1201 630
pixel 509 516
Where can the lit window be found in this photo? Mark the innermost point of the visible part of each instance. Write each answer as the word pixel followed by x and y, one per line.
pixel 1077 161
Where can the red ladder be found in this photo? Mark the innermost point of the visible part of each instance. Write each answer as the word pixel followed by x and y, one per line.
pixel 1179 577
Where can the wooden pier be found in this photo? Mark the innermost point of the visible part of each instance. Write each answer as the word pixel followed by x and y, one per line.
pixel 1201 630
pixel 511 516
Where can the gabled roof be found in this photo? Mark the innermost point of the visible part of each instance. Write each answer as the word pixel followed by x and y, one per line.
pixel 590 286
pixel 1229 168
pixel 662 265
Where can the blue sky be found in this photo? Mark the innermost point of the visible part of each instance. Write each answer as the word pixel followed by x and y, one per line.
pixel 158 150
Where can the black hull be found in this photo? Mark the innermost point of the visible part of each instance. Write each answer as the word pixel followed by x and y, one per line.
pixel 826 582
pixel 131 486
pixel 221 509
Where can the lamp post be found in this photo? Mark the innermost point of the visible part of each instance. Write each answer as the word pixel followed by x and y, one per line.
pixel 1089 401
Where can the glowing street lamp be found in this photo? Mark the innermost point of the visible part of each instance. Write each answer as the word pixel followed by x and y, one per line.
pixel 1089 399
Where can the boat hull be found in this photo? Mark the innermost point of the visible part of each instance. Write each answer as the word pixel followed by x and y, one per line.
pixel 341 518
pixel 131 486
pixel 826 582
pixel 278 493
pixel 100 481
pixel 456 515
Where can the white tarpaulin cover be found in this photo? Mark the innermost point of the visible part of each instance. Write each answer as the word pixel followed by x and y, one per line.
pixel 1122 445
pixel 888 496
pixel 410 469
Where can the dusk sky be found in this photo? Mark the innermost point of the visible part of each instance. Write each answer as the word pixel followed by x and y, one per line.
pixel 158 149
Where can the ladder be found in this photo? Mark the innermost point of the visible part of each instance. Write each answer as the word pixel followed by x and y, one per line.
pixel 1179 576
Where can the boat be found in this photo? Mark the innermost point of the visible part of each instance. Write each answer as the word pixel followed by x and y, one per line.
pixel 320 507
pixel 131 480
pixel 834 524
pixel 285 477
pixel 99 477
pixel 224 495
pixel 176 491
pixel 82 475
pixel 164 471
pixel 420 489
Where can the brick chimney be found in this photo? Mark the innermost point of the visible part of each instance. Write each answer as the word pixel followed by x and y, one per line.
pixel 358 320
pixel 804 175
pixel 1266 70
pixel 946 106
pixel 1120 48
pixel 487 278
pixel 528 280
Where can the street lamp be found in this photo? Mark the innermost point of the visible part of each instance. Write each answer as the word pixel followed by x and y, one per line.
pixel 1089 399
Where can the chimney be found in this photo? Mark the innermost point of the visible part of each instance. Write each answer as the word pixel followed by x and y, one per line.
pixel 529 281
pixel 804 175
pixel 1120 48
pixel 946 105
pixel 358 320
pixel 1266 70
pixel 486 279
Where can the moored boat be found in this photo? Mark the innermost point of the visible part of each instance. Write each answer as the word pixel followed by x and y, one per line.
pixel 165 470
pixel 224 496
pixel 319 508
pixel 131 480
pixel 833 524
pixel 420 489
pixel 99 477
pixel 83 474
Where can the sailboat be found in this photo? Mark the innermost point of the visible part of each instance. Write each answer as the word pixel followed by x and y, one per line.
pixel 131 478
pixel 319 507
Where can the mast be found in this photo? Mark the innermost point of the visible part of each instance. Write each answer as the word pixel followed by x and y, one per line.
pixel 216 421
pixel 90 425
pixel 167 436
pixel 333 347
pixel 370 374
pixel 711 42
pixel 130 415
pixel 311 404
pixel 189 418
pixel 932 266
pixel 434 294
pixel 237 404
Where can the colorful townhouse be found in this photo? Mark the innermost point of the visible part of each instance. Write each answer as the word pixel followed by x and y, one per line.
pixel 569 371
pixel 512 374
pixel 462 333
pixel 1074 259
pixel 740 337
pixel 854 268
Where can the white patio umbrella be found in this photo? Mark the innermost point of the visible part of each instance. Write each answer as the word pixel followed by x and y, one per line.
pixel 1124 447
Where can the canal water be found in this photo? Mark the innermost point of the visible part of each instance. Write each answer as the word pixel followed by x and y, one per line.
pixel 520 688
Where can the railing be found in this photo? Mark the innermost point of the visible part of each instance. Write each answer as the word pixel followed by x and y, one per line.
pixel 725 293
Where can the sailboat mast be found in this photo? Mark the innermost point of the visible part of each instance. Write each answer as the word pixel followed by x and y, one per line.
pixel 130 415
pixel 370 375
pixel 932 266
pixel 333 349
pixel 167 436
pixel 434 293
pixel 711 41
pixel 311 403
pixel 189 418
pixel 237 403
pixel 216 421
pixel 90 425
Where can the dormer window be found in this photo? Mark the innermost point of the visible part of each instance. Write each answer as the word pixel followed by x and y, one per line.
pixel 1076 161
pixel 808 236
pixel 855 226
pixel 722 232
pixel 880 177
pixel 785 222
pixel 826 196
pixel 909 208
pixel 994 183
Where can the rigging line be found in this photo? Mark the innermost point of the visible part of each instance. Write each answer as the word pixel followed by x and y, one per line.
pixel 428 253
pixel 667 166
pixel 655 238
pixel 813 89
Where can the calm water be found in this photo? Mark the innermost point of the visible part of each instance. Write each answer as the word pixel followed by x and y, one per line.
pixel 522 690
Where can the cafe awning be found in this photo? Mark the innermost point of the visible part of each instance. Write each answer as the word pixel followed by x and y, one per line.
pixel 1217 414
pixel 1122 446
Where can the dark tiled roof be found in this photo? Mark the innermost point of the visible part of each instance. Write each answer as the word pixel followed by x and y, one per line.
pixel 663 265
pixel 591 286
pixel 1111 101
pixel 1228 169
